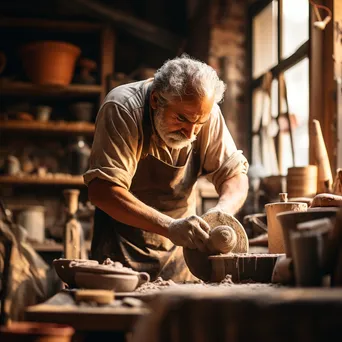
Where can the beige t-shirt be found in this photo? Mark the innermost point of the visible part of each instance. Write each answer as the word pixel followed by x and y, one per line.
pixel 118 141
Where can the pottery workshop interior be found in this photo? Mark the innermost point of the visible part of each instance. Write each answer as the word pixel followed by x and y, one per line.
pixel 171 170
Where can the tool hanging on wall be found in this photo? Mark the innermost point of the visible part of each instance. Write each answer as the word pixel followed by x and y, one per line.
pixel 321 24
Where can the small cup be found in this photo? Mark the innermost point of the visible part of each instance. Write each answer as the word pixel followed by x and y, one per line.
pixel 43 113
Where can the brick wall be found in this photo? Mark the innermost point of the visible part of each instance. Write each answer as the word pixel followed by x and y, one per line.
pixel 227 53
pixel 217 35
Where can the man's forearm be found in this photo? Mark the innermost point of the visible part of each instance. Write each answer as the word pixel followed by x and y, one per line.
pixel 120 204
pixel 233 194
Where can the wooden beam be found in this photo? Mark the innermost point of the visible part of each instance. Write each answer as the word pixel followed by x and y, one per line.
pixel 316 100
pixel 328 119
pixel 322 89
pixel 56 25
pixel 132 25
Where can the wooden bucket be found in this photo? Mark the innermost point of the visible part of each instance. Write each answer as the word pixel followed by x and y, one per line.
pixel 50 62
pixel 302 181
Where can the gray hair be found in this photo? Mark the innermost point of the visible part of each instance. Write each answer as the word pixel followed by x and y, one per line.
pixel 186 76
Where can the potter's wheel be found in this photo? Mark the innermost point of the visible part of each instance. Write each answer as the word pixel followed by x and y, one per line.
pixel 198 262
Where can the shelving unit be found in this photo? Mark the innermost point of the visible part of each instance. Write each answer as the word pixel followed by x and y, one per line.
pixel 29 89
pixel 15 89
pixel 53 247
pixel 52 25
pixel 49 180
pixel 58 127
pixel 97 37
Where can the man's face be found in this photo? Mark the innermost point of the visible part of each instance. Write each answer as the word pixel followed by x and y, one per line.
pixel 181 120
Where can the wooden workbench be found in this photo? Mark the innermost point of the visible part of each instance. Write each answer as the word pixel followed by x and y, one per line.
pixel 63 309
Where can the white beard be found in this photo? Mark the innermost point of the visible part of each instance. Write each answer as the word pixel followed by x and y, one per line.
pixel 176 140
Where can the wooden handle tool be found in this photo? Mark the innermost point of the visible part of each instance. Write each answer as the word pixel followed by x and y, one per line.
pixel 325 178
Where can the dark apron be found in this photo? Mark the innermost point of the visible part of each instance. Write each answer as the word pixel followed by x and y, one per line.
pixel 167 188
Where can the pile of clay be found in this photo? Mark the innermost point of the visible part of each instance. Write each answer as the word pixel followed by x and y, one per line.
pixel 160 284
pixel 108 266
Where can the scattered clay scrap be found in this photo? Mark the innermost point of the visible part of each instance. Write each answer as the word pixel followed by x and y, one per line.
pixel 158 284
pixel 161 284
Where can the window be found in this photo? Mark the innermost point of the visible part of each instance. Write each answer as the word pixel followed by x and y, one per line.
pixel 280 85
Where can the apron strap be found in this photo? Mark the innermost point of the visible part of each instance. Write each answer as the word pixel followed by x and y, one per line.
pixel 147 125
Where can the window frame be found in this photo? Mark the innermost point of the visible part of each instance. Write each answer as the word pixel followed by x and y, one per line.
pixel 278 70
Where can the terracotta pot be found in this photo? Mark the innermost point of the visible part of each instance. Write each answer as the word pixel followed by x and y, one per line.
pixel 37 332
pixel 49 62
pixel 115 282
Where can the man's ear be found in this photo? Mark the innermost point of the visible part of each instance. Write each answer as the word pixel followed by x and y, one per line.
pixel 154 99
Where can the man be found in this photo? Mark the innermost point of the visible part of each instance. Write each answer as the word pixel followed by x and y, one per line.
pixel 153 140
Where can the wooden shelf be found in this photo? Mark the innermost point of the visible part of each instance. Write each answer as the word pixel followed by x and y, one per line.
pixel 54 247
pixel 58 25
pixel 59 127
pixel 35 180
pixel 25 88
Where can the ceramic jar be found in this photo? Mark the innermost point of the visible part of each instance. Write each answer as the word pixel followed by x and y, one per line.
pixel 78 156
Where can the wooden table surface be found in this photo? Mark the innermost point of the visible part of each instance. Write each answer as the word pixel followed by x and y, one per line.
pixel 63 309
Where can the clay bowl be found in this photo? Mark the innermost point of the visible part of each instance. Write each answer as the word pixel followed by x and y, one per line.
pixel 290 219
pixel 65 268
pixel 104 269
pixel 114 282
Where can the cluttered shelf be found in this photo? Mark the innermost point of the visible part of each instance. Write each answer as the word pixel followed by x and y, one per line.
pixel 51 126
pixel 60 25
pixel 8 87
pixel 53 246
pixel 53 179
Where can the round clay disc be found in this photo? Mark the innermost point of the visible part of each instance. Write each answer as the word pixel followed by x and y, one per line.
pixel 223 219
pixel 198 263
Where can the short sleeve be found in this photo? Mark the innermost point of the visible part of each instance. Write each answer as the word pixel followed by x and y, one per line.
pixel 221 159
pixel 116 147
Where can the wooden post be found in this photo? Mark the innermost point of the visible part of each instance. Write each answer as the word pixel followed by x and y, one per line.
pixel 107 58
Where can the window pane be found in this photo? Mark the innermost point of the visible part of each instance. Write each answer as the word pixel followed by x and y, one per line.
pixel 269 154
pixel 297 83
pixel 265 33
pixel 295 25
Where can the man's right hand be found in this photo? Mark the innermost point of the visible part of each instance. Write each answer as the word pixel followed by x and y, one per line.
pixel 191 232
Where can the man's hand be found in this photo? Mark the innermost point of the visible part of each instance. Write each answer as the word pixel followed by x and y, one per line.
pixel 191 232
